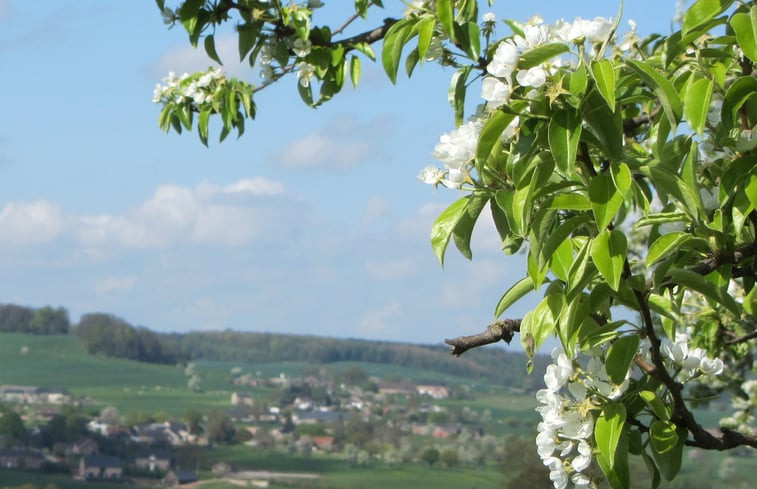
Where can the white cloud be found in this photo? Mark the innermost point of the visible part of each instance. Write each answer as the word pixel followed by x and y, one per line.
pixel 341 144
pixel 30 223
pixel 383 322
pixel 231 215
pixel 186 59
pixel 115 284
pixel 389 270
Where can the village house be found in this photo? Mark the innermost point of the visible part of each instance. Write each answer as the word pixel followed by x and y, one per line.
pixel 395 388
pixel 324 443
pixel 241 399
pixel 179 477
pixel 14 458
pixel 153 460
pixel 100 467
pixel 175 434
pixel 435 391
pixel 85 446
pixel 34 395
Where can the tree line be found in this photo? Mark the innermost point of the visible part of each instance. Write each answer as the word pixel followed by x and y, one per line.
pixel 109 335
pixel 41 321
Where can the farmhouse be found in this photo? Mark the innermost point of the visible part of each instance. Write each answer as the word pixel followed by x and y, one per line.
pixel 21 459
pixel 100 467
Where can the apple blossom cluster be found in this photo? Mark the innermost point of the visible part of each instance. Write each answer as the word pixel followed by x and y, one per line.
pixel 456 150
pixel 690 361
pixel 198 88
pixel 498 84
pixel 744 405
pixel 565 432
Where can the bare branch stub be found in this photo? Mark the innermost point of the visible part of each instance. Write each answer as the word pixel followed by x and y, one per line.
pixel 500 330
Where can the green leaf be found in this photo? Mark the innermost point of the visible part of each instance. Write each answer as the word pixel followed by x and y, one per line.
pixel 354 70
pixel 457 91
pixel 616 471
pixel 669 462
pixel 663 306
pixel 697 103
pixel 604 76
pixel 505 201
pixel 564 135
pixel 444 225
pixel 188 15
pixel 210 49
pixel 692 280
pixel 540 54
pixel 673 185
pixel 562 260
pixel 559 235
pixel 542 323
pixel 446 16
pixel 578 81
pixel 605 125
pixel 608 429
pixel 571 202
pixel 425 33
pixel 464 227
pixel 202 125
pixel 513 294
pixel 652 468
pixel 491 132
pixel 742 90
pixel 608 252
pixel 664 245
pixel 656 404
pixel 745 27
pixel 248 36
pixel 702 11
pixel 394 41
pixel 605 199
pixel 184 113
pixel 619 357
pixel 663 89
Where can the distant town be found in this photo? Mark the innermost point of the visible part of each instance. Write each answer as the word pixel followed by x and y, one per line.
pixel 352 416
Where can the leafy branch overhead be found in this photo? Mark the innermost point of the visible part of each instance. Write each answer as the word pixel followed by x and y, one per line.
pixel 623 168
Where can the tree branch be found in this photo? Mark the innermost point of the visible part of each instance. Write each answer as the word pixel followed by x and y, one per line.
pixel 500 330
pixel 368 37
pixel 711 264
pixel 740 339
pixel 630 125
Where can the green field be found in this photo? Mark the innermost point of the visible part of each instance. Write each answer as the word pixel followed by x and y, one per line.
pixel 60 361
pixel 140 387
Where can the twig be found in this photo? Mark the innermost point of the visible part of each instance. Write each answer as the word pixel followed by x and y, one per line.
pixel 349 21
pixel 629 125
pixel 501 330
pixel 741 339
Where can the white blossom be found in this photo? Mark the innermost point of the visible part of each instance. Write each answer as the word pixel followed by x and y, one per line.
pixel 534 36
pixel 532 77
pixel 495 92
pixel 431 175
pixel 305 72
pixel 595 31
pixel 458 147
pixel 301 47
pixel 711 366
pixel 489 18
pixel 504 60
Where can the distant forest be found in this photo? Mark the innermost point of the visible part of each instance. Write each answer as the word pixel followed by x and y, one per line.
pixel 106 334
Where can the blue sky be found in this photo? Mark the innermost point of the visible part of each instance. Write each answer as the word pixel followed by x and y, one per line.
pixel 312 223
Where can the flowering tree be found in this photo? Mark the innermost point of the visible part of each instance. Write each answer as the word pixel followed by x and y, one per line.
pixel 624 167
